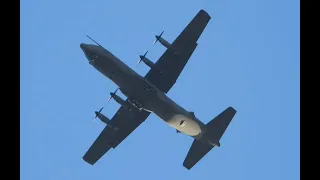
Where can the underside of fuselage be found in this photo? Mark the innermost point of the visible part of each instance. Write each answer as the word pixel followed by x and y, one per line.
pixel 136 88
pixel 147 95
pixel 186 125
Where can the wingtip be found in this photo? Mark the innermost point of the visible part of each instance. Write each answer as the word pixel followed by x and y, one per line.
pixel 202 11
pixel 230 108
pixel 88 161
pixel 186 166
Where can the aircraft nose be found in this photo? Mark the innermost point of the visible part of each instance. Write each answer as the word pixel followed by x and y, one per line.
pixel 82 46
pixel 85 48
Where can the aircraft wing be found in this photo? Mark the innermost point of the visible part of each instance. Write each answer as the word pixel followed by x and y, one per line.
pixel 126 122
pixel 172 62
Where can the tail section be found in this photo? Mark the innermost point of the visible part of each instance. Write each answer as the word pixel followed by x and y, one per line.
pixel 215 130
pixel 217 126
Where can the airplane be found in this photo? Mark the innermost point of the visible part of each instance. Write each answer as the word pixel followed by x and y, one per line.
pixel 148 94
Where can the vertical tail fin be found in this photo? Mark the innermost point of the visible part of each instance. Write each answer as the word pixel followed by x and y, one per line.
pixel 215 130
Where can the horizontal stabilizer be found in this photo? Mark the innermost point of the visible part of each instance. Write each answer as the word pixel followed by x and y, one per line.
pixel 215 129
pixel 197 151
pixel 219 124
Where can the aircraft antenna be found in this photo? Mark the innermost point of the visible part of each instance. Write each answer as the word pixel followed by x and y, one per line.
pixel 94 41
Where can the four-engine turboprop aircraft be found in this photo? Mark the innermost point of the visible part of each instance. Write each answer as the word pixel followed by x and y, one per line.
pixel 147 95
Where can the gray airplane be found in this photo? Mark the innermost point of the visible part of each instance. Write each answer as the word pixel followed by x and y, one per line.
pixel 147 95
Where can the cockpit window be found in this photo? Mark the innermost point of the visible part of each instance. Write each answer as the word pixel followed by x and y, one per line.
pixel 94 57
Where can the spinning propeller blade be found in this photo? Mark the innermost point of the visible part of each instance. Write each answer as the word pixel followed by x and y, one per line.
pixel 112 94
pixel 158 37
pixel 142 57
pixel 97 113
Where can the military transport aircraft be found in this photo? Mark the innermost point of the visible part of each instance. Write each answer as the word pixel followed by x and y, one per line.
pixel 147 95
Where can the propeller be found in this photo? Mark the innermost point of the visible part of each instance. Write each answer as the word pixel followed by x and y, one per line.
pixel 158 37
pixel 112 94
pixel 97 113
pixel 142 57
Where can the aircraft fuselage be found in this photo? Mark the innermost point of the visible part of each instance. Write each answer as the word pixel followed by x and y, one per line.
pixel 145 94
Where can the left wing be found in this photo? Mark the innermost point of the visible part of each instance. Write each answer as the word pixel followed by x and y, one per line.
pixel 173 60
pixel 126 122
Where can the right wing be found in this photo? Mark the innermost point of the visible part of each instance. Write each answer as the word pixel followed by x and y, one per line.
pixel 174 59
pixel 126 122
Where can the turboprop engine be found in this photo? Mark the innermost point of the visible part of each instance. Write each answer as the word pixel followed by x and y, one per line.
pixel 104 119
pixel 162 41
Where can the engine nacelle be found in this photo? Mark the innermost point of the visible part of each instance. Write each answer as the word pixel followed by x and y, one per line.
pixel 106 120
pixel 118 99
pixel 130 105
pixel 148 62
pixel 164 42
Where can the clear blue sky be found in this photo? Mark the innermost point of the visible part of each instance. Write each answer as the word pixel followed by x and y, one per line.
pixel 248 57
